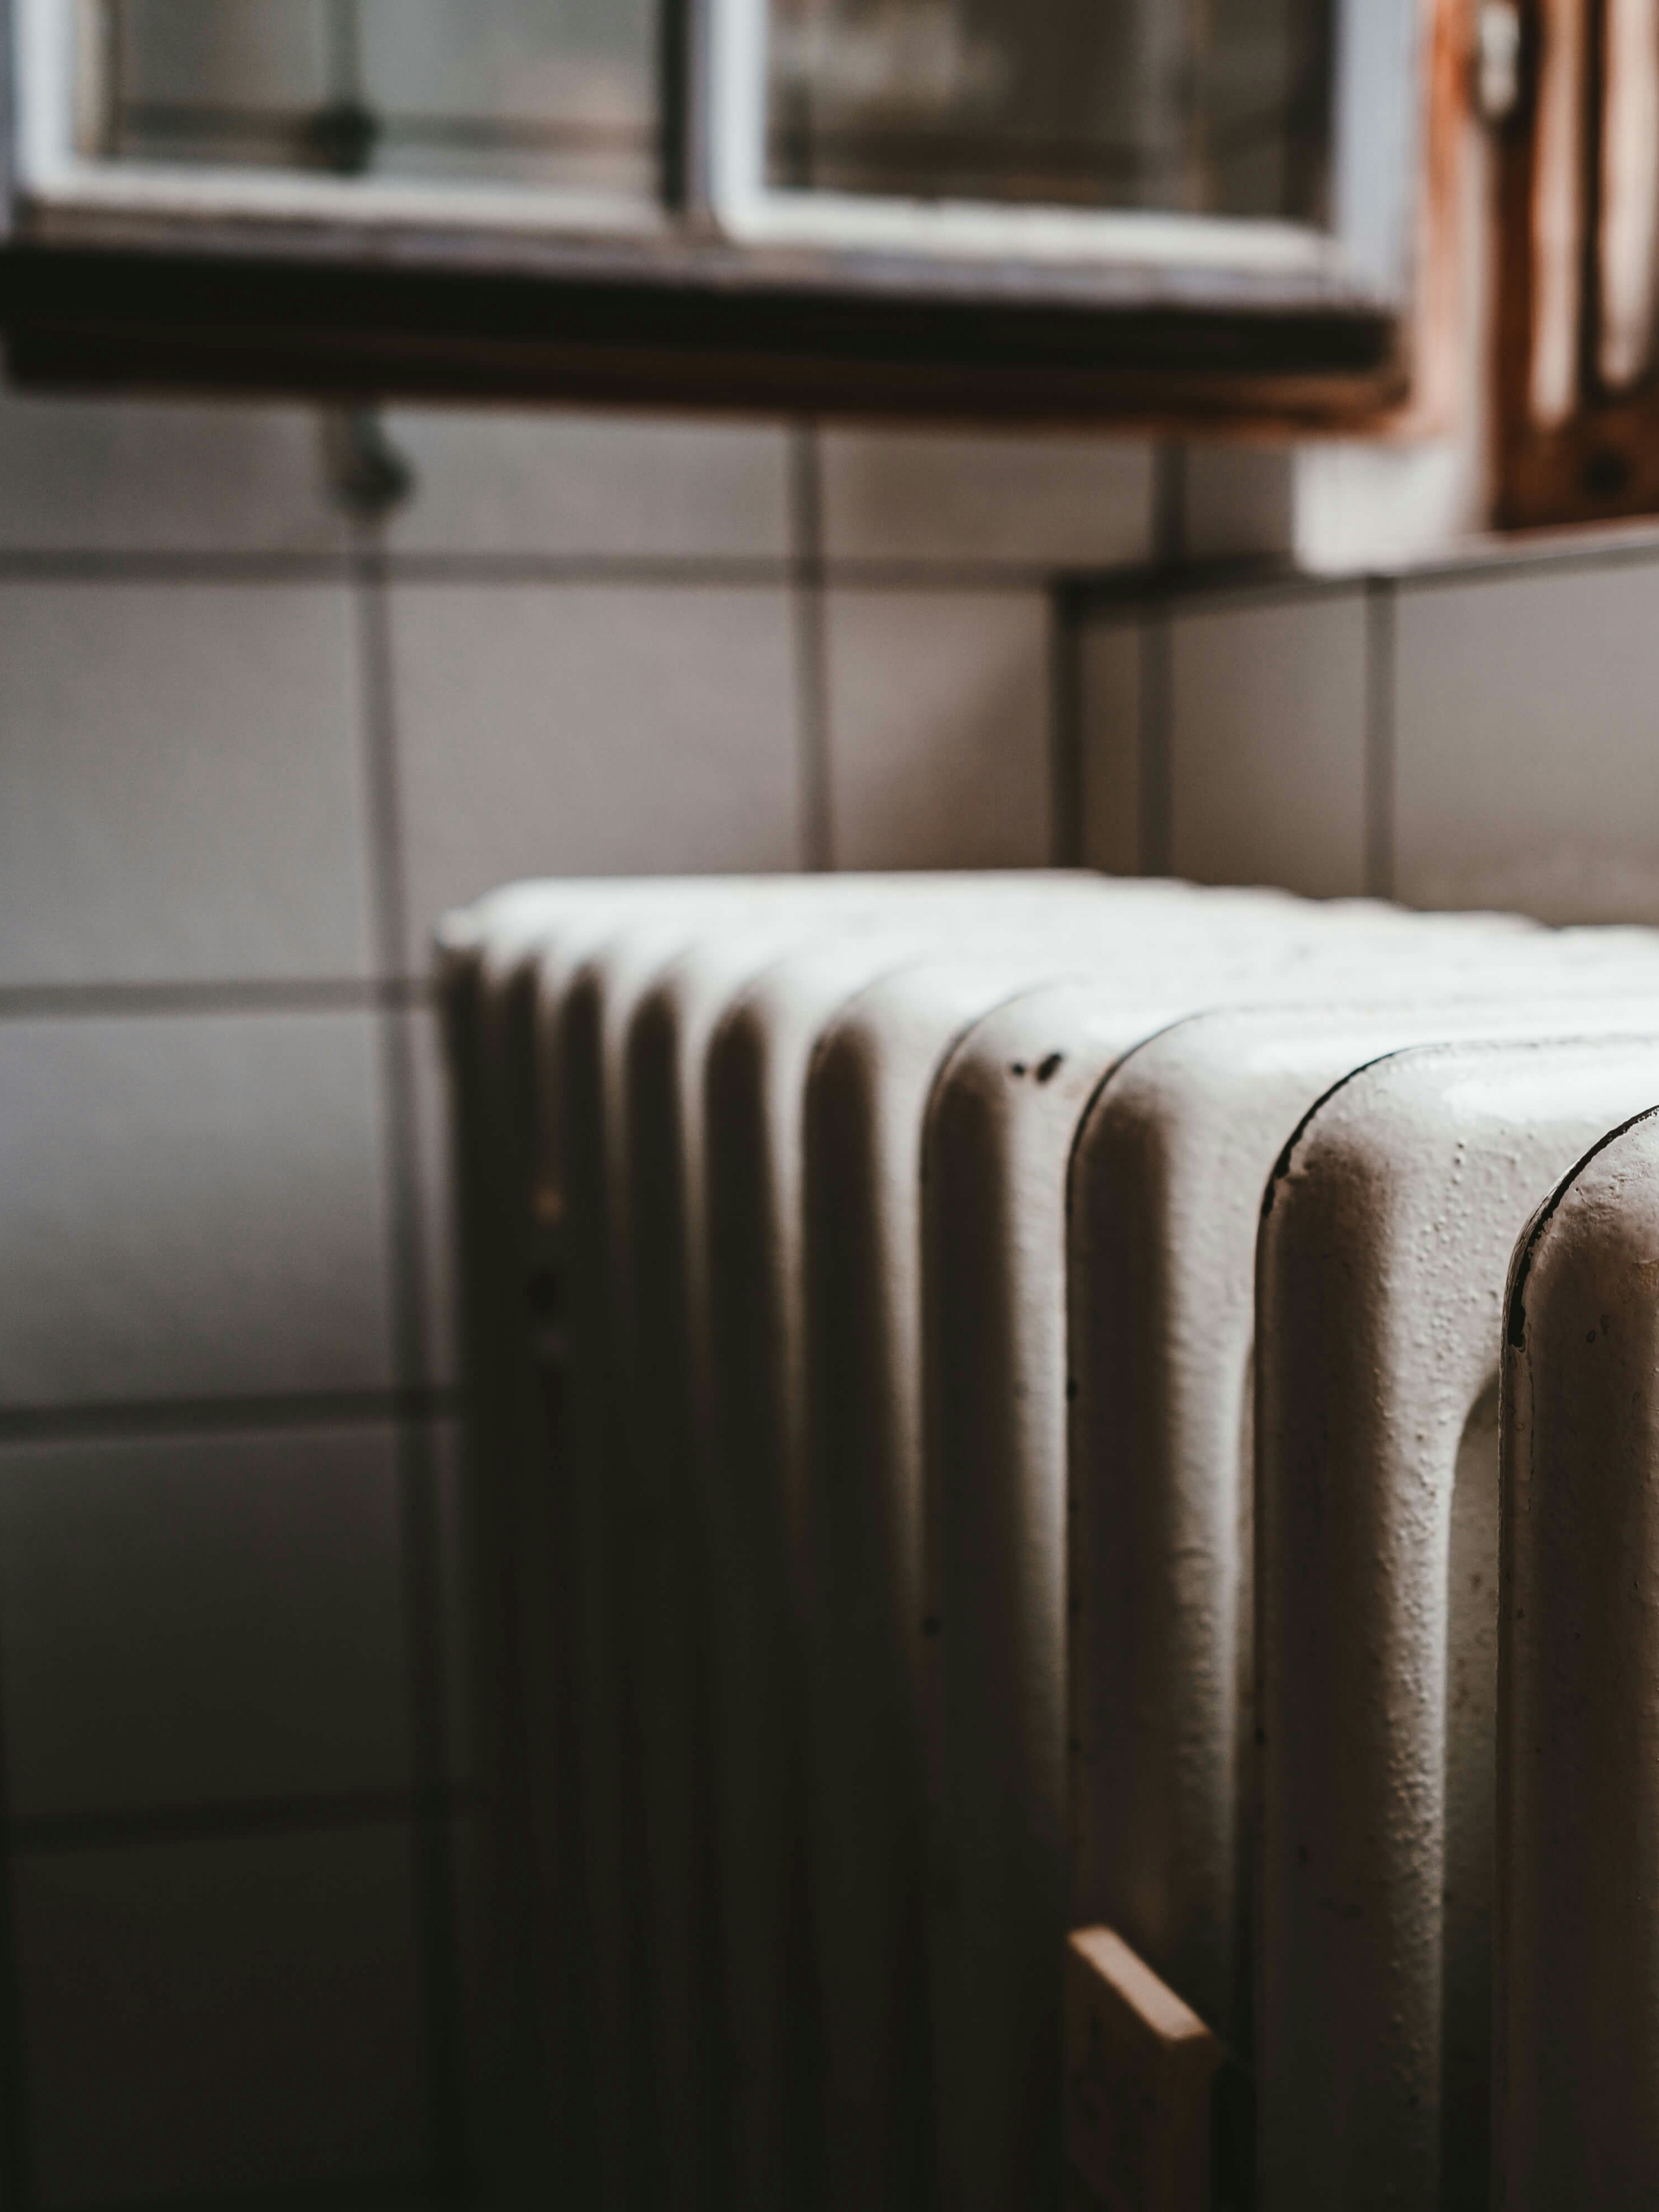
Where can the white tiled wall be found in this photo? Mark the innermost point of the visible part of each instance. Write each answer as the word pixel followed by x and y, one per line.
pixel 194 1207
pixel 591 729
pixel 980 499
pixel 1527 770
pixel 939 715
pixel 1289 806
pixel 1477 735
pixel 592 487
pixel 200 818
pixel 80 477
pixel 249 748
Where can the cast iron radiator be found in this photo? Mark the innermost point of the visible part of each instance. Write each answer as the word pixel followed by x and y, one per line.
pixel 985 1421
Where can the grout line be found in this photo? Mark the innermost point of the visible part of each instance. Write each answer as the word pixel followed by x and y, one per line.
pixel 1381 630
pixel 817 841
pixel 345 52
pixel 398 2192
pixel 869 573
pixel 225 1819
pixel 735 571
pixel 417 1466
pixel 688 571
pixel 301 995
pixel 708 572
pixel 48 565
pixel 389 895
pixel 1272 575
pixel 17 2188
pixel 17 2181
pixel 17 2176
pixel 112 1420
pixel 1155 841
pixel 1155 830
pixel 1066 836
pixel 1273 579
pixel 1169 516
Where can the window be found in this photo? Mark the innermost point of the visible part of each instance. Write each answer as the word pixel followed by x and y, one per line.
pixel 1578 224
pixel 1181 209
pixel 1079 106
pixel 560 101
pixel 552 109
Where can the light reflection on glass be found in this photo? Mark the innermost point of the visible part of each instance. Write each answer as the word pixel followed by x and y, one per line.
pixel 1213 106
pixel 557 93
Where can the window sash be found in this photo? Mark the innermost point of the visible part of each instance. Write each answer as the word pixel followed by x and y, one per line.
pixel 716 115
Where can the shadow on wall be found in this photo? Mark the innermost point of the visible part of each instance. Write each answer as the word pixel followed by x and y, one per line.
pixel 252 742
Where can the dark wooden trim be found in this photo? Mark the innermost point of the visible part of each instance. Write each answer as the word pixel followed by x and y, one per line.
pixel 1600 466
pixel 1515 165
pixel 1601 463
pixel 102 297
pixel 122 317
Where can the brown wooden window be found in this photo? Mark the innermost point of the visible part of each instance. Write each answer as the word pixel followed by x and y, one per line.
pixel 1578 332
pixel 1153 211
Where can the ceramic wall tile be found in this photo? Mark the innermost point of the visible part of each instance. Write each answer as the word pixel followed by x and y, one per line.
pixel 575 484
pixel 938 729
pixel 191 1206
pixel 197 1619
pixel 132 476
pixel 592 730
pixel 219 2015
pixel 181 782
pixel 1524 760
pixel 1024 498
pixel 1267 714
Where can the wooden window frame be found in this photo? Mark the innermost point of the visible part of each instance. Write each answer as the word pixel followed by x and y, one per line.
pixel 732 295
pixel 1577 439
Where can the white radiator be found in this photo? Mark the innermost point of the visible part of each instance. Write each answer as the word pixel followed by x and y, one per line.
pixel 914 1513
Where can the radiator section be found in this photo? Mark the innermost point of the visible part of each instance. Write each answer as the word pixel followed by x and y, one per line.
pixel 1577 1839
pixel 984 1423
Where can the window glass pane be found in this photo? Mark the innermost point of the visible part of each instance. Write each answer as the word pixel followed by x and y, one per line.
pixel 548 92
pixel 1201 106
